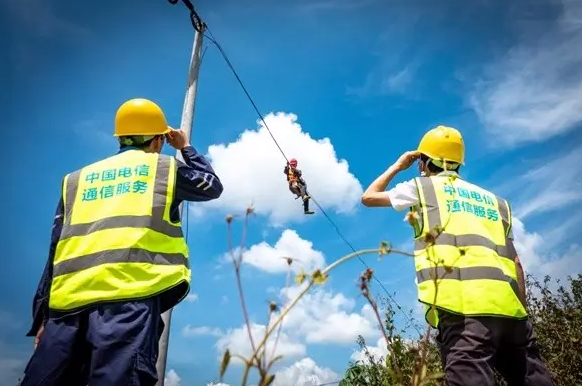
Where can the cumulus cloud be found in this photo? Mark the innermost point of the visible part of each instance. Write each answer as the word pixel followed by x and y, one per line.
pixel 327 318
pixel 237 341
pixel 378 352
pixel 304 372
pixel 271 259
pixel 320 317
pixel 533 92
pixel 252 169
pixel 172 378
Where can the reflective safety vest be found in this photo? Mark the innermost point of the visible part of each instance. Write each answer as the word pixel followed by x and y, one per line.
pixel 292 176
pixel 118 241
pixel 469 260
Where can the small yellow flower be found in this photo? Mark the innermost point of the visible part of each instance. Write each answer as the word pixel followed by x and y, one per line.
pixel 300 278
pixel 385 248
pixel 412 218
pixel 318 277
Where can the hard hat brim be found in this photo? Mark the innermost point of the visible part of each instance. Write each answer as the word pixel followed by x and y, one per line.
pixel 433 156
pixel 168 129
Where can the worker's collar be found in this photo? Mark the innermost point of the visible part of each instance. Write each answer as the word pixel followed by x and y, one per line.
pixel 126 148
pixel 448 173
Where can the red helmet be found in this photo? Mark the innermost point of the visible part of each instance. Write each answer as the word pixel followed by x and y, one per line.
pixel 293 162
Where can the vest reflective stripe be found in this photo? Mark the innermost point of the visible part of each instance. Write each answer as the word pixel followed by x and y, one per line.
pixel 480 281
pixel 107 254
pixel 158 225
pixel 464 241
pixel 467 273
pixel 132 255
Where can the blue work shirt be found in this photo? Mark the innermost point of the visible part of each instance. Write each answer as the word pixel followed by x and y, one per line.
pixel 195 181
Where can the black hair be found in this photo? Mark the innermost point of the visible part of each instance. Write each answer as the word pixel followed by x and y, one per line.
pixel 136 141
pixel 436 169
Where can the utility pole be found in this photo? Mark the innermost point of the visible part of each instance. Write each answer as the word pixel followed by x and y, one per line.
pixel 186 125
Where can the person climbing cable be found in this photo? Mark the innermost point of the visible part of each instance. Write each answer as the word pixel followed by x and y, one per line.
pixel 297 184
pixel 117 258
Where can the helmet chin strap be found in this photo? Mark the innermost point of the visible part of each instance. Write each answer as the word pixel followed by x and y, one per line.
pixel 421 169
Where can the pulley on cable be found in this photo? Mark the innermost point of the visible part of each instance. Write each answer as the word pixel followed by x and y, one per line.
pixel 195 19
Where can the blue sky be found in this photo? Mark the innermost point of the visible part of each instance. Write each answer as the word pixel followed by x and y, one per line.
pixel 351 87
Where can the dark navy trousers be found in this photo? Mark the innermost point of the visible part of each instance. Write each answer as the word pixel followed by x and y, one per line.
pixel 114 344
pixel 472 347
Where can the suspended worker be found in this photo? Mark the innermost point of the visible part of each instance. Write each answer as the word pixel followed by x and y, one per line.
pixel 297 184
pixel 464 247
pixel 118 258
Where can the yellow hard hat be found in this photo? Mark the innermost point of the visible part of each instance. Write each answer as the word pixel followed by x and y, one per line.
pixel 443 143
pixel 140 117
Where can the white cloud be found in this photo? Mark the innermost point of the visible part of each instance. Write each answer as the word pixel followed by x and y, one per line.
pixel 320 317
pixel 271 259
pixel 533 92
pixel 324 317
pixel 191 298
pixel 304 373
pixel 237 341
pixel 538 260
pixel 378 352
pixel 172 378
pixel 252 168
pixel 190 331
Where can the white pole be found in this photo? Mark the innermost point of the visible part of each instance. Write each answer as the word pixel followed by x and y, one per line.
pixel 186 125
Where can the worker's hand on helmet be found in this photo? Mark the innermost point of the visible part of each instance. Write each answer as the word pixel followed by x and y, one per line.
pixel 406 160
pixel 177 139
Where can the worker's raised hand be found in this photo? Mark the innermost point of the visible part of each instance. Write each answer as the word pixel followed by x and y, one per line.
pixel 177 139
pixel 406 160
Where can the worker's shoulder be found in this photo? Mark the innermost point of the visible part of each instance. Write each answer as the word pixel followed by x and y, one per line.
pixel 166 157
pixel 409 186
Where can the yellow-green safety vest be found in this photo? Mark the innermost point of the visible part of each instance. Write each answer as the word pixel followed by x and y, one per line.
pixel 475 273
pixel 118 241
